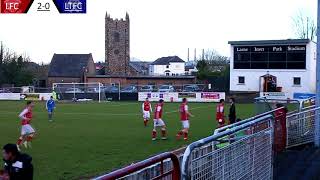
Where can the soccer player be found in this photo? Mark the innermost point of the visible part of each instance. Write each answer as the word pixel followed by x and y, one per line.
pixel 220 113
pixel 158 122
pixel 184 117
pixel 27 132
pixel 146 109
pixel 50 106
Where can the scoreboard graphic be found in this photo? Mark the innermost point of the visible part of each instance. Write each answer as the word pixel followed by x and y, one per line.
pixel 30 6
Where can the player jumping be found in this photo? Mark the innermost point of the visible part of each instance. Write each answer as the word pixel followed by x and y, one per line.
pixel 50 106
pixel 146 109
pixel 184 117
pixel 220 113
pixel 27 132
pixel 158 122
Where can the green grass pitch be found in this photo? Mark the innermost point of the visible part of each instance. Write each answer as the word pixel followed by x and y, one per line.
pixel 87 139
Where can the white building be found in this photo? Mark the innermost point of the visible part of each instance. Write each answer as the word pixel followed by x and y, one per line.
pixel 167 66
pixel 287 66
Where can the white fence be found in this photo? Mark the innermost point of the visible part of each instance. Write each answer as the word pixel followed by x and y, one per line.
pixel 178 96
pixel 300 127
pixel 241 152
pixel 25 96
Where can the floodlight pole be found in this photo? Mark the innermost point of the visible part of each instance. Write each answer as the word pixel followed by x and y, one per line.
pixel 317 121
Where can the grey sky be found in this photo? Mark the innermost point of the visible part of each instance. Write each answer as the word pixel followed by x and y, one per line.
pixel 157 27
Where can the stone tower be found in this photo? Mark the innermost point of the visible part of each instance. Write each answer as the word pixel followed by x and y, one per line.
pixel 117 50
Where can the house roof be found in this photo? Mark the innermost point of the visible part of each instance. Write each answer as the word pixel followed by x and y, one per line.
pixel 271 42
pixel 167 60
pixel 139 66
pixel 68 65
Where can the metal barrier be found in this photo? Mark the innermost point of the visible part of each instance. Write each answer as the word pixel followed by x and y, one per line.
pixel 300 127
pixel 171 171
pixel 245 121
pixel 246 157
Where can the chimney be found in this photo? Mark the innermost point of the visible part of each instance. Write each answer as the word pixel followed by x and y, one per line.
pixel 202 54
pixel 188 54
pixel 195 54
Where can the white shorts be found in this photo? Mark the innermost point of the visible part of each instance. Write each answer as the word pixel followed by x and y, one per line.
pixel 158 123
pixel 26 129
pixel 146 114
pixel 185 124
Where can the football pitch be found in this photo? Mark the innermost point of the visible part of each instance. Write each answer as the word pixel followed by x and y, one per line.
pixel 87 139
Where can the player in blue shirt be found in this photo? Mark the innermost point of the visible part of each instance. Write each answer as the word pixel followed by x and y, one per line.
pixel 50 106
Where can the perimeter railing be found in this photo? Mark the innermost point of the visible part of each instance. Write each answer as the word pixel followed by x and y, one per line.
pixel 247 157
pixel 164 166
pixel 300 126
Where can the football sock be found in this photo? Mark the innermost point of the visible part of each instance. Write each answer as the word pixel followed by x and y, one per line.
pixel 29 138
pixel 154 134
pixel 185 135
pixel 19 141
pixel 163 132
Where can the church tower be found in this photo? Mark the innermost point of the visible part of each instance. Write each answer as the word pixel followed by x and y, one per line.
pixel 117 41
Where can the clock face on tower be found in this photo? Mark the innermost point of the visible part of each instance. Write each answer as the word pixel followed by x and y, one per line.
pixel 116 51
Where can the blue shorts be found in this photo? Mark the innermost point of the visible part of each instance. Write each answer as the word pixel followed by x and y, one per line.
pixel 50 110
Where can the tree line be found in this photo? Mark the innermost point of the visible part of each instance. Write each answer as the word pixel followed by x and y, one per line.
pixel 14 68
pixel 214 69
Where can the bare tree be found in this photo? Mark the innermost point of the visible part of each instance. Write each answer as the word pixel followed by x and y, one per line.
pixel 304 26
pixel 214 61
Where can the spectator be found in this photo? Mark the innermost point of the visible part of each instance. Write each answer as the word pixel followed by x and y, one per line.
pixel 17 165
pixel 232 111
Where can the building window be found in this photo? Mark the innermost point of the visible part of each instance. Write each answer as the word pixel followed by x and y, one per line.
pixel 167 66
pixel 297 81
pixel 167 74
pixel 270 57
pixel 116 37
pixel 241 80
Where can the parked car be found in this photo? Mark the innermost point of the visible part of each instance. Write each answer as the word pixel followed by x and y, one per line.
pixel 166 88
pixel 147 88
pixel 5 91
pixel 191 88
pixel 129 89
pixel 111 89
pixel 73 90
pixel 93 90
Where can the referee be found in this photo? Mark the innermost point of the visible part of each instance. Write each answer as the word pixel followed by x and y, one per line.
pixel 232 111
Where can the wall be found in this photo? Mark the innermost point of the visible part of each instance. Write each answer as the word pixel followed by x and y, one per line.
pixel 312 56
pixel 91 67
pixel 140 81
pixel 174 68
pixel 284 77
pixel 52 80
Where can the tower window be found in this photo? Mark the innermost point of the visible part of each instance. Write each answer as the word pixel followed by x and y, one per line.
pixel 116 37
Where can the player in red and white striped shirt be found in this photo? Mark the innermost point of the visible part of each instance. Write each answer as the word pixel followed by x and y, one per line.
pixel 220 113
pixel 184 118
pixel 27 132
pixel 158 122
pixel 146 109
